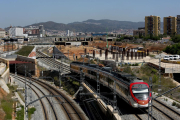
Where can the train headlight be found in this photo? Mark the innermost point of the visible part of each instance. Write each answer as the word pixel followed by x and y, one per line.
pixel 135 105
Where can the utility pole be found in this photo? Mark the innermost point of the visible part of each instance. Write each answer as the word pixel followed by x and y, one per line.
pixel 115 101
pixel 150 99
pixel 60 77
pixel 98 85
pixel 53 57
pixel 25 108
pixel 159 89
pixel 81 83
pixel 15 70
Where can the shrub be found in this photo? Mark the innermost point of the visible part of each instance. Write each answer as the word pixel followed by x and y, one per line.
pixel 20 114
pixel 155 78
pixel 31 111
pixel 174 49
pixel 174 103
pixel 154 71
pixel 127 70
pixel 178 105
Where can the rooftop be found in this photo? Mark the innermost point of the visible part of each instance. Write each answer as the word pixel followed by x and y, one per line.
pixel 2 29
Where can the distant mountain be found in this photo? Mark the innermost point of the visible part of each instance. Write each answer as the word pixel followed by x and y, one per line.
pixel 91 25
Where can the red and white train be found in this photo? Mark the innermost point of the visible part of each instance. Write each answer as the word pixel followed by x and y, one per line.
pixel 130 88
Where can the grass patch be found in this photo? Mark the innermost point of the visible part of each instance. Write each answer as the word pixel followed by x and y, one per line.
pixel 25 50
pixel 30 112
pixel 152 55
pixel 127 70
pixel 7 103
pixel 7 106
pixel 20 114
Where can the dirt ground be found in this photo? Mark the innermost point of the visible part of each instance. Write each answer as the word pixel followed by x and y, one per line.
pixel 76 50
pixel 79 50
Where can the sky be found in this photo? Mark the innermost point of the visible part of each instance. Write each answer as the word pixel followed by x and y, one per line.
pixel 27 12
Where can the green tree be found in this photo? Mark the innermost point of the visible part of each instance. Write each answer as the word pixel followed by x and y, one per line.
pixel 136 37
pixel 176 38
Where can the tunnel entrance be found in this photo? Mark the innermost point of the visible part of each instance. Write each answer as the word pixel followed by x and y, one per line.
pixel 12 68
pixel 176 76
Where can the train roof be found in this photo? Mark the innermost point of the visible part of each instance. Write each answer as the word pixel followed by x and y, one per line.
pixel 125 76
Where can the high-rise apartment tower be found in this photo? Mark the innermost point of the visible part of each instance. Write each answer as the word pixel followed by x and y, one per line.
pixel 152 25
pixel 178 24
pixel 170 25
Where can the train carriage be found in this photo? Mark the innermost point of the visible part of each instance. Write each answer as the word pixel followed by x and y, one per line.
pixel 132 89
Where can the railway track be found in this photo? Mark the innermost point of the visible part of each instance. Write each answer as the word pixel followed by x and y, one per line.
pixel 166 110
pixel 73 112
pixel 52 62
pixel 160 111
pixel 42 103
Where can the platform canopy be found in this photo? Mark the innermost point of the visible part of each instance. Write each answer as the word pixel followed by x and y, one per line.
pixel 18 62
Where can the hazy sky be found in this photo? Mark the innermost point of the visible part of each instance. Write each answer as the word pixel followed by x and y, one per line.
pixel 26 12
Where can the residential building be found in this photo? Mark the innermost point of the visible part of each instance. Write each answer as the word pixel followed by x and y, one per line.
pixel 42 31
pixel 2 33
pixel 170 25
pixel 178 24
pixel 152 25
pixel 140 31
pixel 16 32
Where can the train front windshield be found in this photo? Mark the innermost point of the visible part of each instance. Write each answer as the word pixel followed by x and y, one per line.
pixel 140 93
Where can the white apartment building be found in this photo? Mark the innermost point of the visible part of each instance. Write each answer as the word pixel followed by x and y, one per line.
pixel 2 33
pixel 16 32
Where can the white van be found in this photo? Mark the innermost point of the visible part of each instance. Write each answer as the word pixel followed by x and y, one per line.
pixel 171 57
pixel 166 57
pixel 176 57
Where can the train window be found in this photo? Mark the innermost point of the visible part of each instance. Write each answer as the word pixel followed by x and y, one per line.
pixel 110 81
pixel 89 72
pixel 140 93
pixel 93 73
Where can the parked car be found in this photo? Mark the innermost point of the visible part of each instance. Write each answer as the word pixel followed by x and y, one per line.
pixel 176 57
pixel 166 57
pixel 171 57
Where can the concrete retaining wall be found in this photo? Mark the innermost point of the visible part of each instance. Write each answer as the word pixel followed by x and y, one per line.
pixel 5 76
pixel 4 61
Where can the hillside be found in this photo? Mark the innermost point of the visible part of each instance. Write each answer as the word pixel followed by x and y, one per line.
pixel 91 25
